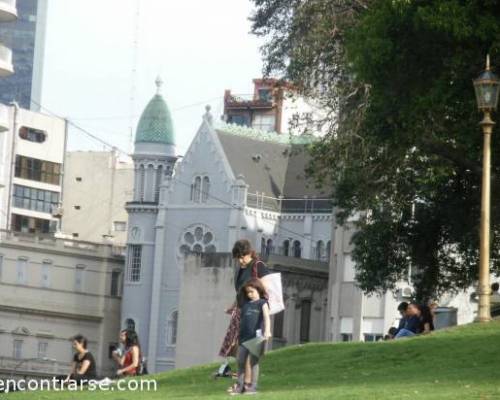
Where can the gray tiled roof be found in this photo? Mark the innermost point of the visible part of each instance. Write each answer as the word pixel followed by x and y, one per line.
pixel 274 167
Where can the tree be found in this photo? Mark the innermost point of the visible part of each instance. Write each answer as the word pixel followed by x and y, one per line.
pixel 405 147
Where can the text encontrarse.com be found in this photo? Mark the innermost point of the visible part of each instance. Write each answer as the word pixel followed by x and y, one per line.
pixel 120 385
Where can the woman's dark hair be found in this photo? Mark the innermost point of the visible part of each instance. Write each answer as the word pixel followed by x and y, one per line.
pixel 426 315
pixel 80 339
pixel 242 248
pixel 131 338
pixel 257 285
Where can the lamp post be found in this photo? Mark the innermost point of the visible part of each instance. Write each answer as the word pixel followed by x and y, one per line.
pixel 486 87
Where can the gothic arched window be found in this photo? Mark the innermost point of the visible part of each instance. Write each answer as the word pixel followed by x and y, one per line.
pixel 286 247
pixel 130 324
pixel 172 329
pixel 206 189
pixel 320 250
pixel 196 190
pixel 296 249
pixel 159 176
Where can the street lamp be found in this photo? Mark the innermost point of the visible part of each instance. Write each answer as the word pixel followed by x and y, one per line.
pixel 486 87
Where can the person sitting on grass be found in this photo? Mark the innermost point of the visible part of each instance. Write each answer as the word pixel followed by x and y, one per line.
pixel 255 323
pixel 412 324
pixel 83 367
pixel 426 319
pixel 131 359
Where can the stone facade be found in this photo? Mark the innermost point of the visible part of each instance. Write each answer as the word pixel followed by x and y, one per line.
pixel 50 290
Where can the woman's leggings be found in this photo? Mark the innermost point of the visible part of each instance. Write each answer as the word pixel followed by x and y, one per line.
pixel 243 354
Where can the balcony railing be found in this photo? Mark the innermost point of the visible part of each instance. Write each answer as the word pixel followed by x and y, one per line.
pixel 303 205
pixel 8 10
pixel 6 67
pixel 32 367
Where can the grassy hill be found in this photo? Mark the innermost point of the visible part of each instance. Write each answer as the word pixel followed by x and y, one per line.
pixel 460 363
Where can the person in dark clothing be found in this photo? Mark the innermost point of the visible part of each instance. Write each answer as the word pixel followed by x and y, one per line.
pixel 84 366
pixel 249 266
pixel 255 322
pixel 412 323
pixel 402 308
pixel 426 319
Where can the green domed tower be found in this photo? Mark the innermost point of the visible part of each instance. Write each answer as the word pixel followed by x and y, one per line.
pixel 155 125
pixel 154 152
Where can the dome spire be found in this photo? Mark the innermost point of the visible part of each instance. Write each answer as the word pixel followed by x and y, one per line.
pixel 155 124
pixel 159 84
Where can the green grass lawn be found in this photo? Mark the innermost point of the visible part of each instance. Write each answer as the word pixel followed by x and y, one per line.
pixel 459 363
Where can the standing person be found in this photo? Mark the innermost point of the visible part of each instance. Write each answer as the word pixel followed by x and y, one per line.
pixel 249 266
pixel 83 367
pixel 255 322
pixel 131 359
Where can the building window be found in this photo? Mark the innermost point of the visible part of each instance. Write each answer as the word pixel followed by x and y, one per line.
pixel 262 247
pixel 278 325
pixel 22 223
pixel 134 263
pixel 142 179
pixel 373 337
pixel 286 247
pixel 328 250
pixel 196 190
pixel 172 329
pixel 115 283
pixel 79 278
pixel 130 324
pixel 305 320
pixel 17 349
pixel 37 170
pixel 42 349
pixel 346 337
pixel 265 123
pixel 45 281
pixel 265 95
pixel 159 177
pixel 35 199
pixel 197 240
pixel 120 226
pixel 21 267
pixel 78 178
pixel 269 247
pixel 205 189
pixel 1 266
pixel 241 120
pixel 320 251
pixel 296 249
pixel 32 134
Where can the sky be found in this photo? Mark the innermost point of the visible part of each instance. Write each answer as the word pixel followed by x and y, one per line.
pixel 103 56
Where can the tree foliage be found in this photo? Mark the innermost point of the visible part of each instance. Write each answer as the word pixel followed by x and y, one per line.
pixel 403 140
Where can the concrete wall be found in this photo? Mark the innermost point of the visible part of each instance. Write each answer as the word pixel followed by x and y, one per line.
pixel 100 183
pixel 207 289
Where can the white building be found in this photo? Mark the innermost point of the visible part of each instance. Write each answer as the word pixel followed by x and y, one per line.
pixel 233 183
pixel 31 168
pixel 50 290
pixel 96 184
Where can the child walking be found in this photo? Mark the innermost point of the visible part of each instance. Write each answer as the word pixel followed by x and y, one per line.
pixel 255 328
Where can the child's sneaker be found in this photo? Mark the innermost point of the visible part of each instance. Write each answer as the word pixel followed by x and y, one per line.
pixel 235 390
